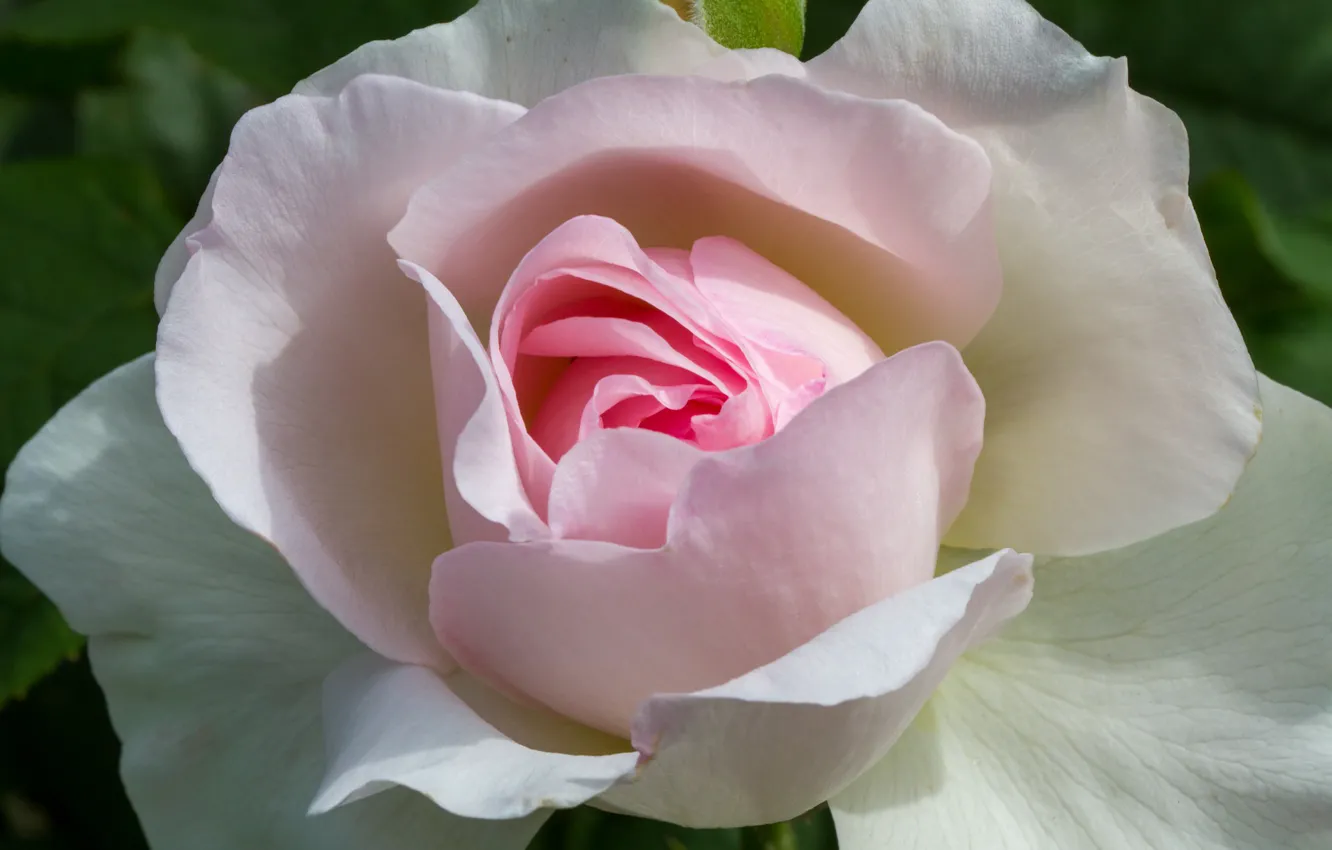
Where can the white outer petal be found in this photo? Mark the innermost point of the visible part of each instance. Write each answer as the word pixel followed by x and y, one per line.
pixel 1122 402
pixel 766 746
pixel 1175 694
pixel 774 743
pixel 392 724
pixel 210 652
pixel 293 364
pixel 526 50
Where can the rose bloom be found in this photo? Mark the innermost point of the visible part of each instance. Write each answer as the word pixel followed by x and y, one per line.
pixel 554 407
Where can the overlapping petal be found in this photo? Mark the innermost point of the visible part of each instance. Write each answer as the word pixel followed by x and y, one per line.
pixel 1122 402
pixel 483 481
pixel 1176 693
pixel 293 363
pixel 392 724
pixel 874 205
pixel 772 744
pixel 524 51
pixel 764 747
pixel 766 546
pixel 210 652
pixel 515 50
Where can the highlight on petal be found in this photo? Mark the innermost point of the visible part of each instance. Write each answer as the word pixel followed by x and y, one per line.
pixel 765 547
pixel 483 485
pixel 746 64
pixel 875 205
pixel 527 50
pixel 210 653
pixel 391 724
pixel 1176 693
pixel 764 747
pixel 178 253
pixel 1122 402
pixel 293 363
pixel 778 741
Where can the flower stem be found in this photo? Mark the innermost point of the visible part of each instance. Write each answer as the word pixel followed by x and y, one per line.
pixel 777 836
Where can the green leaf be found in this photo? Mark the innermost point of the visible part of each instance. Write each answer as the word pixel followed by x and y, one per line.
pixel 586 828
pixel 1302 249
pixel 13 111
pixel 33 635
pixel 174 114
pixel 1276 274
pixel 57 70
pixel 753 23
pixel 271 44
pixel 80 241
pixel 825 22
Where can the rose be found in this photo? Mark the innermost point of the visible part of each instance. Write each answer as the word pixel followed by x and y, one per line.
pixel 1172 692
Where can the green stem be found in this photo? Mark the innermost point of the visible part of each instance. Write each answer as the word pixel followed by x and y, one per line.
pixel 777 836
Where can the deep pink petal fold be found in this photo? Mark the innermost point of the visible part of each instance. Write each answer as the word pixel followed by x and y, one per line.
pixel 292 359
pixel 589 388
pixel 874 204
pixel 766 546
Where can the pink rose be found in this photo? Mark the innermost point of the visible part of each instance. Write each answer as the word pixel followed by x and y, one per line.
pixel 603 398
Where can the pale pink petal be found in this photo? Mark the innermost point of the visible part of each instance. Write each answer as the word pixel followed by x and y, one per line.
pixel 876 205
pixel 764 747
pixel 653 339
pixel 617 486
pixel 178 253
pixel 765 306
pixel 1122 400
pixel 777 741
pixel 767 546
pixel 483 486
pixel 293 364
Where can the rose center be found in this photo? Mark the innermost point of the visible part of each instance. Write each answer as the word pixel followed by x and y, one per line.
pixel 692 344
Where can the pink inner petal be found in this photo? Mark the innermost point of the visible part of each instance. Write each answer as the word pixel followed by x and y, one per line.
pixel 741 420
pixel 613 391
pixel 715 346
pixel 559 423
pixel 656 337
pixel 765 546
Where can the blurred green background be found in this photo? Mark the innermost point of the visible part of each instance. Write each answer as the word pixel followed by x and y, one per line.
pixel 114 112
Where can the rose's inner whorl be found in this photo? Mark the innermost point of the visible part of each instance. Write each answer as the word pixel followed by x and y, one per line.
pixel 710 345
